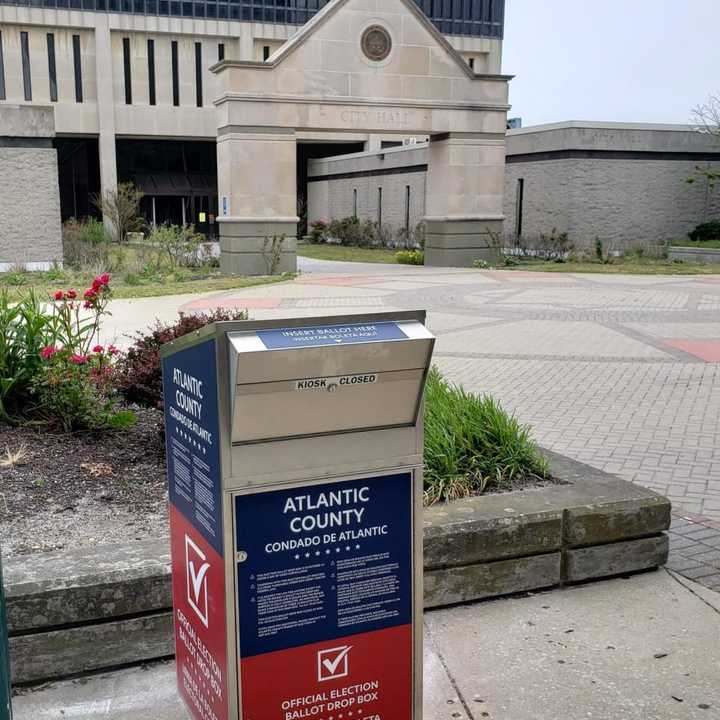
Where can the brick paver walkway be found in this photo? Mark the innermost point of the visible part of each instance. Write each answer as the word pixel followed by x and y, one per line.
pixel 621 372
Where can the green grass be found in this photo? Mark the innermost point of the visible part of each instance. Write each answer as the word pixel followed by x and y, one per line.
pixel 627 266
pixel 128 285
pixel 473 446
pixel 347 254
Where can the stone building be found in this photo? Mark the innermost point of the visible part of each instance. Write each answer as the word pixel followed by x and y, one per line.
pixel 29 199
pixel 624 184
pixel 133 94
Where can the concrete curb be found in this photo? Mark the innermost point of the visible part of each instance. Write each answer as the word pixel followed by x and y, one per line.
pixel 82 611
pixel 694 254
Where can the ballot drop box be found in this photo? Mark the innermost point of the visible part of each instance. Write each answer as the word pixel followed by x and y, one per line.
pixel 294 454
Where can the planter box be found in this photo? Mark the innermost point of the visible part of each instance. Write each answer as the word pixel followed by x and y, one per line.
pixel 89 610
pixel 694 254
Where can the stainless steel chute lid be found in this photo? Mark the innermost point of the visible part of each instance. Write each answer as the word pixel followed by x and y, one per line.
pixel 320 380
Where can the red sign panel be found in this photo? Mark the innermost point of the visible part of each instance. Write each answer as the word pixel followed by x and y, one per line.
pixel 360 677
pixel 200 626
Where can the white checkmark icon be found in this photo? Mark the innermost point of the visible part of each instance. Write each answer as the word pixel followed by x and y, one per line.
pixel 197 578
pixel 332 664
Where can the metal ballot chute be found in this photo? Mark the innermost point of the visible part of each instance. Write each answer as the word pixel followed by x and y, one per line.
pixel 294 453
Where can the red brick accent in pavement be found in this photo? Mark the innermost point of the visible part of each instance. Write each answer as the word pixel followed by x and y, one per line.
pixel 707 350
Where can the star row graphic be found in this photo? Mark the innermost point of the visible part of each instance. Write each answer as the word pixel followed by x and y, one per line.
pixel 190 440
pixel 318 553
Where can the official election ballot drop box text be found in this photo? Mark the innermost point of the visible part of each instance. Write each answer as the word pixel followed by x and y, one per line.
pixel 294 453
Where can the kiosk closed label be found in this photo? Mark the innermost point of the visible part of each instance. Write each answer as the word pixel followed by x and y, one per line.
pixel 326 600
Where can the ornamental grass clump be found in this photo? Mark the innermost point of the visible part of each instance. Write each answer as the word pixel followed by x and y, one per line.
pixel 473 446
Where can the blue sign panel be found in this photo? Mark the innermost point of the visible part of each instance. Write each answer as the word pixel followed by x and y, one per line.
pixel 323 562
pixel 320 336
pixel 192 439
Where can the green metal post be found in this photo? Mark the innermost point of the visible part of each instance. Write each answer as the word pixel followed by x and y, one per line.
pixel 5 699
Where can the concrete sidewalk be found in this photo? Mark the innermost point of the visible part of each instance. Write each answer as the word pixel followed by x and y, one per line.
pixel 643 648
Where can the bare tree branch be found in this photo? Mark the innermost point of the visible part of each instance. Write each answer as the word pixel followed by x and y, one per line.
pixel 707 116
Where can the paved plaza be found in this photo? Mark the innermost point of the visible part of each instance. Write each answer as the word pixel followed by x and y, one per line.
pixel 621 372
pixel 644 648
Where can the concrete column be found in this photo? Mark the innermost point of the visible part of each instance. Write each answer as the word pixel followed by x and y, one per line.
pixel 464 198
pixel 257 188
pixel 374 143
pixel 105 105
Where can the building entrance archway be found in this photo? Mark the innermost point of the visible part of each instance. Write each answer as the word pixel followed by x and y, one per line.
pixel 359 67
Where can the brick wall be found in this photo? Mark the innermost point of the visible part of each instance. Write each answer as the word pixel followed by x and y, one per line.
pixel 30 230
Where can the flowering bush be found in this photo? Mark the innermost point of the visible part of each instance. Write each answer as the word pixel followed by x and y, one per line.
pixel 139 375
pixel 75 387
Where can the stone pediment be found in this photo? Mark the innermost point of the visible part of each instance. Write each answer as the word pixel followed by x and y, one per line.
pixel 382 51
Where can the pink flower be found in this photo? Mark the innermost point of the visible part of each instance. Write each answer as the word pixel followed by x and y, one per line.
pixel 98 349
pixel 90 294
pixel 78 359
pixel 71 294
pixel 113 350
pixel 87 305
pixel 48 352
pixel 58 295
pixel 100 282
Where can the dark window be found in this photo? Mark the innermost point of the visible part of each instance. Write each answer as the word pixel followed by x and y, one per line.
pixel 407 209
pixel 2 71
pixel 77 63
pixel 266 52
pixel 25 52
pixel 221 51
pixel 475 18
pixel 379 215
pixel 52 70
pixel 198 74
pixel 151 71
pixel 128 71
pixel 175 77
pixel 519 201
pixel 471 63
pixel 355 203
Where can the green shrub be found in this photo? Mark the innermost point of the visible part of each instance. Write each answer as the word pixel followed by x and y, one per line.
pixel 410 257
pixel 178 244
pixel 138 373
pixel 80 253
pixel 75 391
pixel 94 232
pixel 358 233
pixel 706 231
pixel 472 445
pixel 318 231
pixel 74 387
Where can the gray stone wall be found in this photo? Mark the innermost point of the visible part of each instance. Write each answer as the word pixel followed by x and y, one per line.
pixel 30 231
pixel 624 202
pixel 393 170
pixel 341 192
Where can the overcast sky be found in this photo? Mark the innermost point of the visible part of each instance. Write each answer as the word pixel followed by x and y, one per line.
pixel 612 60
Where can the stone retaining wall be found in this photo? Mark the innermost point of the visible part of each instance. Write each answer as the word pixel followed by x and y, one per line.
pixel 82 611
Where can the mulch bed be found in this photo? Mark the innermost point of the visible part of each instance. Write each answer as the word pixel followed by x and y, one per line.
pixel 60 473
pixel 83 489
